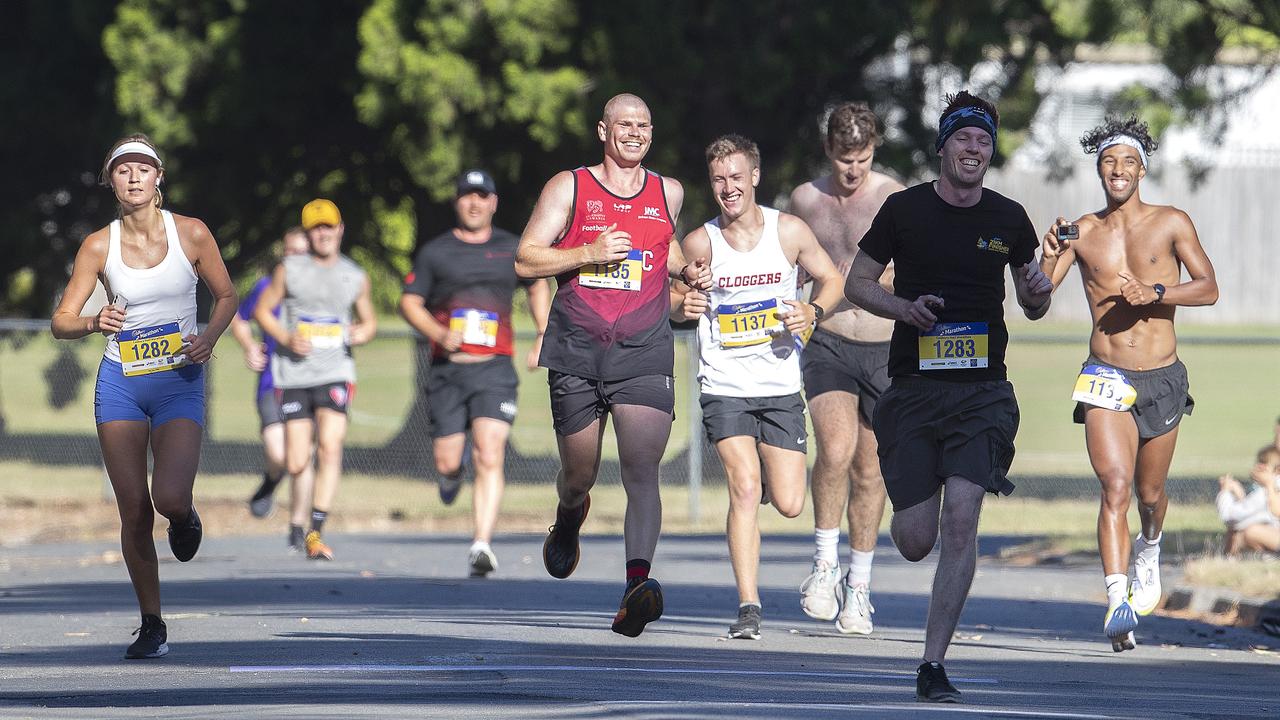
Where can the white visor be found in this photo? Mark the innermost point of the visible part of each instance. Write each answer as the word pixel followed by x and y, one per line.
pixel 134 147
pixel 1123 140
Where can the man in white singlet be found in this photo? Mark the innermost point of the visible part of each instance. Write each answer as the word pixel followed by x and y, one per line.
pixel 749 330
pixel 845 372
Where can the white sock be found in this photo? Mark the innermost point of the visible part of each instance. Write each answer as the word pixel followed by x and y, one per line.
pixel 825 542
pixel 1148 550
pixel 1117 589
pixel 479 545
pixel 749 603
pixel 860 567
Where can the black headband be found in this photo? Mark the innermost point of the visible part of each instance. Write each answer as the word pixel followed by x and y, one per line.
pixel 968 116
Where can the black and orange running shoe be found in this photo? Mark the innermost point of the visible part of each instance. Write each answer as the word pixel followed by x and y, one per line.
pixel 641 605
pixel 316 549
pixel 560 551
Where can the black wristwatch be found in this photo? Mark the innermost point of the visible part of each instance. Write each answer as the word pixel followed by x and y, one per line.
pixel 1159 292
pixel 818 312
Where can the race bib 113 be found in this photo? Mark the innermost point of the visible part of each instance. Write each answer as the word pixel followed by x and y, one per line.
pixel 1104 387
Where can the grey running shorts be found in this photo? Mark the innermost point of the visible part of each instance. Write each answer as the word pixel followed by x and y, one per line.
pixel 1162 398
pixel 776 421
pixel 301 403
pixel 830 362
pixel 457 393
pixel 577 401
pixel 269 409
pixel 929 430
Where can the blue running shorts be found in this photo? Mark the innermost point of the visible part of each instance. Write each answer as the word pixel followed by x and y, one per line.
pixel 158 397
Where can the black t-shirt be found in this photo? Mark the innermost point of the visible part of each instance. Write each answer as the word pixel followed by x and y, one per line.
pixel 456 277
pixel 958 254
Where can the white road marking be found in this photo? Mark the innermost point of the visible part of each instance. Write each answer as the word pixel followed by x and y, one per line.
pixel 584 669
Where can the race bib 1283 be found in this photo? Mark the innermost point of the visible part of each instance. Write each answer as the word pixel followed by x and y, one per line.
pixel 954 346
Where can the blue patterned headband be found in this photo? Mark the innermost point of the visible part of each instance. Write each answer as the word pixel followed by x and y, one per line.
pixel 969 116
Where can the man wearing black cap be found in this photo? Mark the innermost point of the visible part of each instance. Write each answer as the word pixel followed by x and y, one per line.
pixel 459 298
pixel 946 424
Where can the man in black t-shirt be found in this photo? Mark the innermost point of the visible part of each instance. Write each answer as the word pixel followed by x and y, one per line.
pixel 459 297
pixel 949 417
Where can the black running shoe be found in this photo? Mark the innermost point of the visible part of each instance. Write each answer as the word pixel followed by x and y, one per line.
pixel 932 684
pixel 449 488
pixel 748 625
pixel 151 642
pixel 184 537
pixel 264 500
pixel 297 540
pixel 560 551
pixel 641 605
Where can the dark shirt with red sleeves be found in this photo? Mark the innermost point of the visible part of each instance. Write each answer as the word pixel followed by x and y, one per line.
pixel 605 333
pixel 958 254
pixel 454 275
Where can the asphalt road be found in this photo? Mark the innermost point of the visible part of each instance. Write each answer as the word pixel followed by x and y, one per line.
pixel 393 628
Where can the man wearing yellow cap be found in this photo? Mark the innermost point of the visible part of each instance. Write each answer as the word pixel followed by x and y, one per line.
pixel 315 373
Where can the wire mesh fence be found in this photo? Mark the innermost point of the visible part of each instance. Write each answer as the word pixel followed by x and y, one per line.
pixel 46 412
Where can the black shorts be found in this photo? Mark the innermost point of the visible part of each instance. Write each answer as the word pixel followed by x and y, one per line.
pixel 301 403
pixel 269 410
pixel 830 362
pixel 929 430
pixel 776 421
pixel 577 401
pixel 458 393
pixel 1162 398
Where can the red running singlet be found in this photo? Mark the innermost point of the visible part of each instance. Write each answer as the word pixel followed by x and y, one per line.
pixel 610 322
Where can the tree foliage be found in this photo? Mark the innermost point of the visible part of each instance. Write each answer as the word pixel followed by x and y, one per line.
pixel 260 105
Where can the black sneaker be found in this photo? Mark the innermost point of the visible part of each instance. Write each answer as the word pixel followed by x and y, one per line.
pixel 641 605
pixel 932 684
pixel 151 642
pixel 184 537
pixel 560 551
pixel 449 487
pixel 264 500
pixel 748 625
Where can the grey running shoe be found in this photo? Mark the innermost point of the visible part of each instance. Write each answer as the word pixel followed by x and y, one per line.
pixel 818 592
pixel 264 499
pixel 932 684
pixel 855 612
pixel 748 625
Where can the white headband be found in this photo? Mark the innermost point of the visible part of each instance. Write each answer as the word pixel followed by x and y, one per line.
pixel 133 147
pixel 1122 139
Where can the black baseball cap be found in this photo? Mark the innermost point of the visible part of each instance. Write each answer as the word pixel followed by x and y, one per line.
pixel 476 180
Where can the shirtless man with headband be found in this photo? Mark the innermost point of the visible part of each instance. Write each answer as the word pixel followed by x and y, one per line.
pixel 1132 390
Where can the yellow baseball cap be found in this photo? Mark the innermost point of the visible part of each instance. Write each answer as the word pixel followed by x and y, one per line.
pixel 320 212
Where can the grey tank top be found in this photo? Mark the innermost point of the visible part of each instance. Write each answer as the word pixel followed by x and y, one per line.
pixel 317 303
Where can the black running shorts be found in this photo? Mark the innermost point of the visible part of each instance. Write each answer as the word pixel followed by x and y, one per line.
pixel 458 393
pixel 269 409
pixel 929 430
pixel 301 403
pixel 830 362
pixel 1162 398
pixel 776 421
pixel 577 401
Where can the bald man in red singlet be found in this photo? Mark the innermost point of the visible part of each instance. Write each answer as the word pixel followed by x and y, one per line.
pixel 605 233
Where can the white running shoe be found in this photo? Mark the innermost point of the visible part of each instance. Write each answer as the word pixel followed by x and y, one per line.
pixel 1144 584
pixel 1119 625
pixel 481 561
pixel 855 613
pixel 819 596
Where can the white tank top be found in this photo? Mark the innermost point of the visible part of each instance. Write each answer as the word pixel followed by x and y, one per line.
pixel 152 296
pixel 743 349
